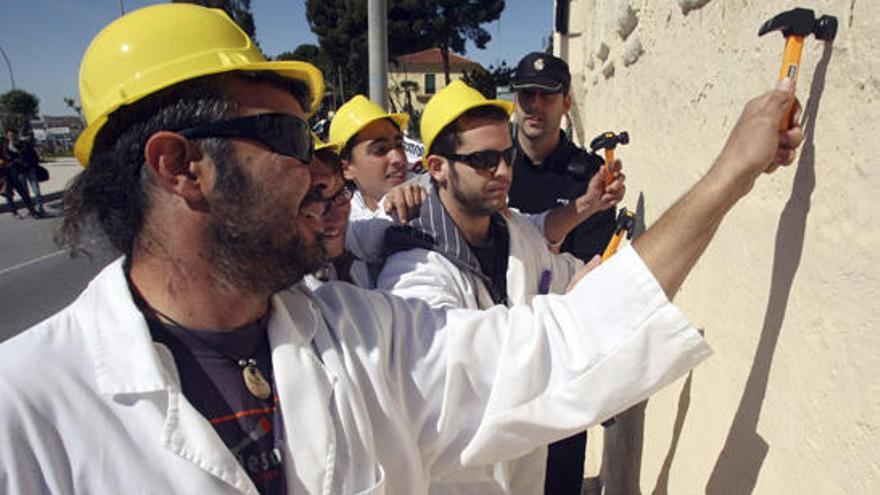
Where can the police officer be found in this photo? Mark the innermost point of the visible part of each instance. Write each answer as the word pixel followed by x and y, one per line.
pixel 550 171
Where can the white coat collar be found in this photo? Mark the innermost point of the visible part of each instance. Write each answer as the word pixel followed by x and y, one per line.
pixel 119 341
pixel 117 336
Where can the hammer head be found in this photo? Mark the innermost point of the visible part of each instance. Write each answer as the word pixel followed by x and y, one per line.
pixel 626 220
pixel 609 140
pixel 802 22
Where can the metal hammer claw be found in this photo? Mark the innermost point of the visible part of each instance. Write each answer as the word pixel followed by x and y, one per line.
pixel 608 141
pixel 795 25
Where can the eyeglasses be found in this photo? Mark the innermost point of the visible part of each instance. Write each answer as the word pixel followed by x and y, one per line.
pixel 381 147
pixel 485 159
pixel 282 133
pixel 341 197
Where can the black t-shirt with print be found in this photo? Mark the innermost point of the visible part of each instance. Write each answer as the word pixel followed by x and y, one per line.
pixel 212 382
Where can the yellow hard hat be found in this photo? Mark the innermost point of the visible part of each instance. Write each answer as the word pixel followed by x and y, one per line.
pixel 357 113
pixel 322 145
pixel 159 46
pixel 449 104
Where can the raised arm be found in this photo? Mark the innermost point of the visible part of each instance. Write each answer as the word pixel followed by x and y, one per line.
pixel 671 247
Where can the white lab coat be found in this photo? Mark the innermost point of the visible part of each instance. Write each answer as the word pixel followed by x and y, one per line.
pixel 378 394
pixel 432 277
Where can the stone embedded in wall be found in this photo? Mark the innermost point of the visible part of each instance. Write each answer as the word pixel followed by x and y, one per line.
pixel 602 51
pixel 631 50
pixel 608 69
pixel 689 5
pixel 625 20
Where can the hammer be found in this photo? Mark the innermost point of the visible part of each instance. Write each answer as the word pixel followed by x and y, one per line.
pixel 608 141
pixel 796 24
pixel 625 223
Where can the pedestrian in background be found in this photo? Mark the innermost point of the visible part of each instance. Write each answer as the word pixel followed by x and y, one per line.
pixel 11 172
pixel 30 160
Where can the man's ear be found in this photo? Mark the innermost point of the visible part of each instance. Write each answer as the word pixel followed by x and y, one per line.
pixel 174 162
pixel 347 172
pixel 437 166
pixel 566 102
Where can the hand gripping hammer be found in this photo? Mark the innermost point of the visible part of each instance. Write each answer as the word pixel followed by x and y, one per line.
pixel 796 24
pixel 608 141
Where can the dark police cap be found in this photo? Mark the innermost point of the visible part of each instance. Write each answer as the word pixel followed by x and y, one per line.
pixel 541 71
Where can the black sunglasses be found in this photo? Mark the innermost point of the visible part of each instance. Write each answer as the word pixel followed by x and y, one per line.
pixel 281 132
pixel 485 159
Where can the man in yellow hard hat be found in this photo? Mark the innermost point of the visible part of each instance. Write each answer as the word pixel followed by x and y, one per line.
pixel 186 366
pixel 466 249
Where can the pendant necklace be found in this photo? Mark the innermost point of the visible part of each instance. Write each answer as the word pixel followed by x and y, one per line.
pixel 254 380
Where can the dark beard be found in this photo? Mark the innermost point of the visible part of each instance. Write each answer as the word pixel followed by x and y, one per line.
pixel 472 206
pixel 255 244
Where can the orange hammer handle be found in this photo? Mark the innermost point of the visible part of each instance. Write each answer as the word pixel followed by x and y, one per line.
pixel 791 63
pixel 613 244
pixel 609 159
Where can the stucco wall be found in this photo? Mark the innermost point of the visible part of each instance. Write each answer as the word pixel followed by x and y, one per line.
pixel 789 291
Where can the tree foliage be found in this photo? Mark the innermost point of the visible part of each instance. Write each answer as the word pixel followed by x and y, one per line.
pixel 316 56
pixel 341 28
pixel 21 103
pixel 451 23
pixel 413 25
pixel 312 54
pixel 487 81
pixel 71 104
pixel 480 80
pixel 20 107
pixel 238 10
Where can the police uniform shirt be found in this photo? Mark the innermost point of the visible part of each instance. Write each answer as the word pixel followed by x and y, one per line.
pixel 555 182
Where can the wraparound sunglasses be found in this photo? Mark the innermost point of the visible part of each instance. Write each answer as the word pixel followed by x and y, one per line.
pixel 281 132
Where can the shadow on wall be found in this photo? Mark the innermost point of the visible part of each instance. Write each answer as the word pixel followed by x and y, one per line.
pixel 623 441
pixel 684 403
pixel 740 461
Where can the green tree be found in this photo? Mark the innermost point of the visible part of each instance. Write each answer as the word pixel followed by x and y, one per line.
pixel 502 74
pixel 449 24
pixel 480 80
pixel 315 55
pixel 413 25
pixel 238 10
pixel 487 81
pixel 21 107
pixel 341 28
pixel 71 104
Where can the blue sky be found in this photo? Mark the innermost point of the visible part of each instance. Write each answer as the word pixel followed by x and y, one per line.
pixel 44 39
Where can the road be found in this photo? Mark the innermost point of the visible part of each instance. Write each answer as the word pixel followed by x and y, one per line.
pixel 37 278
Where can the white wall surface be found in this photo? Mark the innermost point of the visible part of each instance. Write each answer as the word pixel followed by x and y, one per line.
pixel 789 291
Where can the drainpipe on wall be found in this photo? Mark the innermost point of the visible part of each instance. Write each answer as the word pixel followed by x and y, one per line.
pixel 572 125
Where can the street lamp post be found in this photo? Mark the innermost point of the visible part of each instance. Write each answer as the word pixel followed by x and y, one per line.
pixel 8 66
pixel 377 49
